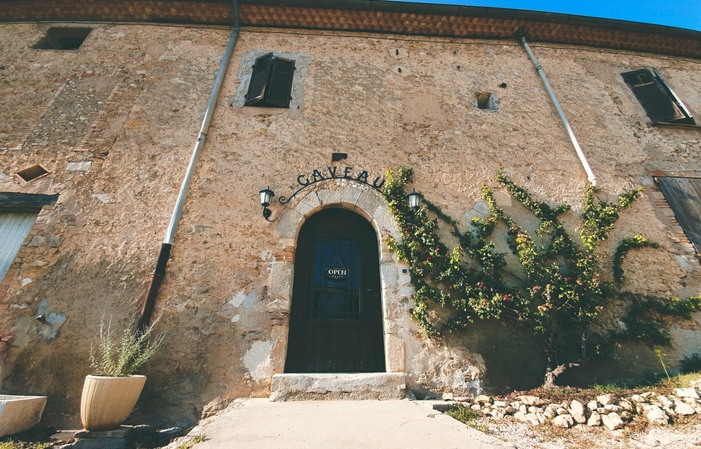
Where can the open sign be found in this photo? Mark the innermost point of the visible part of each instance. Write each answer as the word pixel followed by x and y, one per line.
pixel 337 274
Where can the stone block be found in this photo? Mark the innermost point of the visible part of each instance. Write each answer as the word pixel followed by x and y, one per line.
pixel 78 166
pixel 308 204
pixel 357 386
pixel 683 409
pixel 327 196
pixel 594 419
pixel 565 421
pixel 19 413
pixel 656 415
pixel 281 277
pixel 395 356
pixel 350 193
pixel 686 393
pixel 577 412
pixel 369 201
pixel 289 223
pixel 612 421
pixel 531 400
pixel 605 399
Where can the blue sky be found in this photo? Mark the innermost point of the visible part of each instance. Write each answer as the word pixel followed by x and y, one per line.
pixel 676 13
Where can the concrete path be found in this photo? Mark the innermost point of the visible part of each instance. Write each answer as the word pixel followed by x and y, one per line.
pixel 262 424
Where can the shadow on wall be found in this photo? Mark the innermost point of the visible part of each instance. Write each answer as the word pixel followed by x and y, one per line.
pixel 49 356
pixel 512 357
pixel 633 364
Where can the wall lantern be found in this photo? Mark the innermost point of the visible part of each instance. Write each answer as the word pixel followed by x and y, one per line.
pixel 414 200
pixel 266 196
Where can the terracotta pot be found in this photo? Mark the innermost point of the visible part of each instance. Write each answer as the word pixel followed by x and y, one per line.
pixel 107 401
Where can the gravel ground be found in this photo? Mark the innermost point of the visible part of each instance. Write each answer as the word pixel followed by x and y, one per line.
pixel 523 436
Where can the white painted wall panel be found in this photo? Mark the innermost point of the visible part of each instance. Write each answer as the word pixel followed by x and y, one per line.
pixel 14 227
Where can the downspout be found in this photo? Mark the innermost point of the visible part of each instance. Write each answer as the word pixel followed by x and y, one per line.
pixel 553 98
pixel 164 254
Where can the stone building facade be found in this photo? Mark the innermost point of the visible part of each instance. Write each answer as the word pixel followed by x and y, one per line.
pixel 110 128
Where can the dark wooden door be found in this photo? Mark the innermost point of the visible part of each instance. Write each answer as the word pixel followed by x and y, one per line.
pixel 336 314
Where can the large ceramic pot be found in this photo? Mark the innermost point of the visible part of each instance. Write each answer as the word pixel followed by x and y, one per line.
pixel 107 401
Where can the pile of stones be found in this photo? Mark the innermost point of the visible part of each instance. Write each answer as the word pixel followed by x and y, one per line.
pixel 607 410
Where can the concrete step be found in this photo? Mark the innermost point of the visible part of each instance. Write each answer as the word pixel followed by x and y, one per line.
pixel 352 386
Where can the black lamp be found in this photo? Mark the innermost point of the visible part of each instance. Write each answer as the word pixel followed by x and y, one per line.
pixel 414 200
pixel 266 196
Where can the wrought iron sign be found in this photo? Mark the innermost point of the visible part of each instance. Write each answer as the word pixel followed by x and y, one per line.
pixel 334 172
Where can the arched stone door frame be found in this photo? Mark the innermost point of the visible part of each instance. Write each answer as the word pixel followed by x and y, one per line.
pixel 394 280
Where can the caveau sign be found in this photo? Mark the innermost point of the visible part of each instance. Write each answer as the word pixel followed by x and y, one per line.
pixel 335 172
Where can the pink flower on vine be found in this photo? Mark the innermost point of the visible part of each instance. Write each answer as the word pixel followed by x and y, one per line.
pixel 473 269
pixel 480 284
pixel 411 311
pixel 429 258
pixel 506 298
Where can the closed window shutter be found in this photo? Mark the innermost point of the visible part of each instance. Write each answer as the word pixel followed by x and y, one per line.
pixel 653 96
pixel 281 77
pixel 259 80
pixel 684 197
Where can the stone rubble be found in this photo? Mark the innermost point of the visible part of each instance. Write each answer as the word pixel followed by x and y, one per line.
pixel 607 410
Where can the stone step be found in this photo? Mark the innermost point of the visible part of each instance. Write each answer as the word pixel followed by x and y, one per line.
pixel 334 386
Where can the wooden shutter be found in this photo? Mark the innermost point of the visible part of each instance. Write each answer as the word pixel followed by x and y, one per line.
pixel 653 96
pixel 14 227
pixel 259 80
pixel 280 88
pixel 271 82
pixel 684 197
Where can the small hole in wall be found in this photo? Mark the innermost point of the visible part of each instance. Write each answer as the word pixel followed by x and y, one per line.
pixel 486 101
pixel 63 38
pixel 32 173
pixel 502 85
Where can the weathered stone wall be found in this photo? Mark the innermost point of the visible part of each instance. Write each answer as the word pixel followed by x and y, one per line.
pixel 114 123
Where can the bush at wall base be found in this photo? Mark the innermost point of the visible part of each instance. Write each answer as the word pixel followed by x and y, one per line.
pixel 107 401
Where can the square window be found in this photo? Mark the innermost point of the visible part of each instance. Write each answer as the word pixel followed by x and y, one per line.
pixel 63 38
pixel 271 82
pixel 658 99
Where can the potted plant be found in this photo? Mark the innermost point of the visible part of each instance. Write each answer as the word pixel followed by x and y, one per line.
pixel 111 393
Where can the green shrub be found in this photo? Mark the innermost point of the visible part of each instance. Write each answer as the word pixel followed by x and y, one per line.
pixel 123 357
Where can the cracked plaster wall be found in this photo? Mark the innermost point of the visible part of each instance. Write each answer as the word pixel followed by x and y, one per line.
pixel 136 95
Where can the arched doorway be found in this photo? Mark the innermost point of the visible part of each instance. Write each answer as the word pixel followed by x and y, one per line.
pixel 336 311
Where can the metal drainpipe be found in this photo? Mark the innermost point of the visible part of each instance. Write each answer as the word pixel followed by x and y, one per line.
pixel 159 272
pixel 575 143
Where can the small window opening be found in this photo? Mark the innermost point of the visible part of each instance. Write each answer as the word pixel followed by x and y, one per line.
pixel 63 38
pixel 486 101
pixel 271 82
pixel 657 98
pixel 32 173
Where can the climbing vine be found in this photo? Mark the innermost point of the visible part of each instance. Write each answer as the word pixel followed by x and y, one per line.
pixel 559 290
